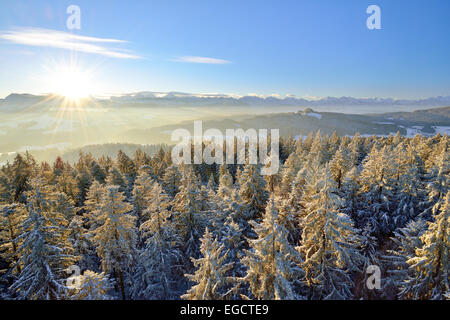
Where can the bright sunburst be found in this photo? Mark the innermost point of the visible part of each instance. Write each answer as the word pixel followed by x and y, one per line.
pixel 72 83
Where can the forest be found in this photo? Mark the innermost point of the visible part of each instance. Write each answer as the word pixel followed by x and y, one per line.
pixel 139 227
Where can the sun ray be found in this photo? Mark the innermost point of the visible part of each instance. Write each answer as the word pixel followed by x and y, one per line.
pixel 71 91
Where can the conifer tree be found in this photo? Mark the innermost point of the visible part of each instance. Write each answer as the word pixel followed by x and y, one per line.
pixel 22 170
pixel 141 159
pixel 83 181
pixel 225 183
pixel 210 278
pixel 394 262
pixel 296 194
pixel 350 196
pixel 252 189
pixel 66 183
pixel 188 217
pixel 171 180
pixel 438 183
pixel 5 189
pixel 92 204
pixel 115 238
pixel 377 180
pixel 315 149
pixel 272 180
pixel 115 178
pixel 368 250
pixel 334 143
pixel 64 205
pixel 357 152
pixel 289 218
pixel 231 235
pixel 160 258
pixel 45 252
pixel 126 165
pixel 142 194
pixel 229 210
pixel 287 178
pixel 58 166
pixel 93 286
pixel 329 244
pixel 407 185
pixel 98 173
pixel 340 165
pixel 272 261
pixel 80 240
pixel 431 261
pixel 11 222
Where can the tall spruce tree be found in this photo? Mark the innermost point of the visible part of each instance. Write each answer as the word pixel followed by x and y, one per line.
pixel 330 244
pixel 211 282
pixel 115 238
pixel 252 189
pixel 188 218
pixel 431 261
pixel 273 263
pixel 159 261
pixel 11 223
pixel 45 252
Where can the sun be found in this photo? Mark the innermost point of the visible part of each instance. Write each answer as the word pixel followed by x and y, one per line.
pixel 72 83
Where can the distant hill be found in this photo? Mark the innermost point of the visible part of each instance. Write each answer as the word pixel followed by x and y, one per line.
pixel 301 123
pixel 435 115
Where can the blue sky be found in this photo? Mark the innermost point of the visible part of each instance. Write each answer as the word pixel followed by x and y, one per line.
pixel 304 48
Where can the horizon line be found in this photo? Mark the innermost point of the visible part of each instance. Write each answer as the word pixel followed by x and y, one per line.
pixel 163 94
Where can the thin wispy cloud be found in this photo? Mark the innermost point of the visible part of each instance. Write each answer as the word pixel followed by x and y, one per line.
pixel 205 60
pixel 64 40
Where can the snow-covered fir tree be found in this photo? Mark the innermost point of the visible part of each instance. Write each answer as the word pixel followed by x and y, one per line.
pixel 394 262
pixel 141 195
pixel 252 189
pixel 350 193
pixel 11 223
pixel 339 165
pixel 368 250
pixel 45 251
pixel 159 262
pixel 188 218
pixel 5 190
pixel 93 286
pixel 289 218
pixel 171 180
pixel 115 238
pixel 287 178
pixel 210 280
pixel 272 263
pixel 438 183
pixel 431 261
pixel 92 205
pixel 231 235
pixel 407 186
pixel 82 245
pixel 330 244
pixel 225 183
pixel 115 178
pixel 377 181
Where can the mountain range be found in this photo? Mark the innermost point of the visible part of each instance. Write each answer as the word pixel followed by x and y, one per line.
pixel 16 102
